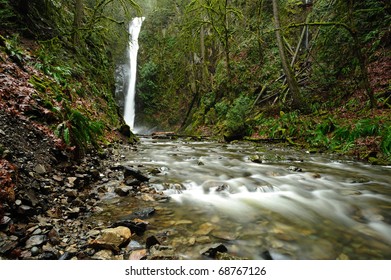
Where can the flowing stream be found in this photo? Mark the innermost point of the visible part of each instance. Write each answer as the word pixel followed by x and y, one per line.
pixel 292 204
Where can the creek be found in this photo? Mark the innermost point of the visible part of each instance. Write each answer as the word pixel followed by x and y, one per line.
pixel 260 198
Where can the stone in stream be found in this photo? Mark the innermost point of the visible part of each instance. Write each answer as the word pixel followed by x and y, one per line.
pixel 123 191
pixel 212 250
pixel 131 172
pixel 141 213
pixel 266 255
pixel 151 241
pixel 138 255
pixel 112 238
pixel 295 169
pixel 137 226
pixel 159 252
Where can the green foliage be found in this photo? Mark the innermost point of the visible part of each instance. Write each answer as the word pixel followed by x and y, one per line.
pixel 386 141
pixel 236 118
pixel 6 14
pixel 78 130
pixel 11 47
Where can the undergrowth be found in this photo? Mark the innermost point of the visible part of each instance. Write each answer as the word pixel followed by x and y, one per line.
pixel 364 138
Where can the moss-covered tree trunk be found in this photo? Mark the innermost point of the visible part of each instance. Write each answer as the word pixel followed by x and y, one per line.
pixel 290 77
pixel 77 21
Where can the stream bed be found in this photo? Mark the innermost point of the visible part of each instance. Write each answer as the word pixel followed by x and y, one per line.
pixel 260 201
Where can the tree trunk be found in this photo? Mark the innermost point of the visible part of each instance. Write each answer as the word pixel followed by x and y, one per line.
pixel 290 77
pixel 77 21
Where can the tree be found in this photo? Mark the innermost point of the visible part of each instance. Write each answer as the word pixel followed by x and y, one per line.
pixel 290 76
pixel 77 21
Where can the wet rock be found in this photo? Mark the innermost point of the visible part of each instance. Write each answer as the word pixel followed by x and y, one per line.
pixel 132 182
pixel 226 257
pixel 137 226
pixel 134 245
pixel 112 238
pixel 138 255
pixel 256 159
pixel 266 255
pixel 225 235
pixel 35 240
pixel 122 191
pixel 212 250
pixel 205 229
pixel 183 222
pixel 159 252
pixel 222 188
pixel 141 213
pixel 151 241
pixel 131 172
pixel 295 169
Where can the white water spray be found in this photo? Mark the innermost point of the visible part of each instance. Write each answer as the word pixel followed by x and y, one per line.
pixel 129 110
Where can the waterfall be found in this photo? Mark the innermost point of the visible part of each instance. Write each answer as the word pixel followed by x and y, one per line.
pixel 129 110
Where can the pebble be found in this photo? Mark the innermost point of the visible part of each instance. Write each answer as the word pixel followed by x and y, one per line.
pixel 34 251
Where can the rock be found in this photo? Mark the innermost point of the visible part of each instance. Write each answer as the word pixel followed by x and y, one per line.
pixel 57 178
pixel 134 245
pixel 32 197
pixel 212 250
pixel 7 246
pixel 103 255
pixel 53 236
pixel 225 235
pixel 256 159
pixel 35 240
pixel 34 251
pixel 266 255
pixel 138 255
pixel 226 257
pixel 137 226
pixel 158 252
pixel 132 182
pixel 112 238
pixel 183 222
pixel 72 180
pixel 4 221
pixel 295 169
pixel 40 169
pixel 131 172
pixel 122 191
pixel 125 130
pixel 205 229
pixel 25 210
pixel 141 213
pixel 151 241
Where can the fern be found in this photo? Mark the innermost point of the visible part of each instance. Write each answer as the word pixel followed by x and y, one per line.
pixel 385 145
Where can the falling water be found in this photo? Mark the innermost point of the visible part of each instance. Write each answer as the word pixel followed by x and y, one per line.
pixel 134 31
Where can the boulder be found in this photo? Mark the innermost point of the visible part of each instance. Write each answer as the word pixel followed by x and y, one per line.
pixel 212 250
pixel 112 238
